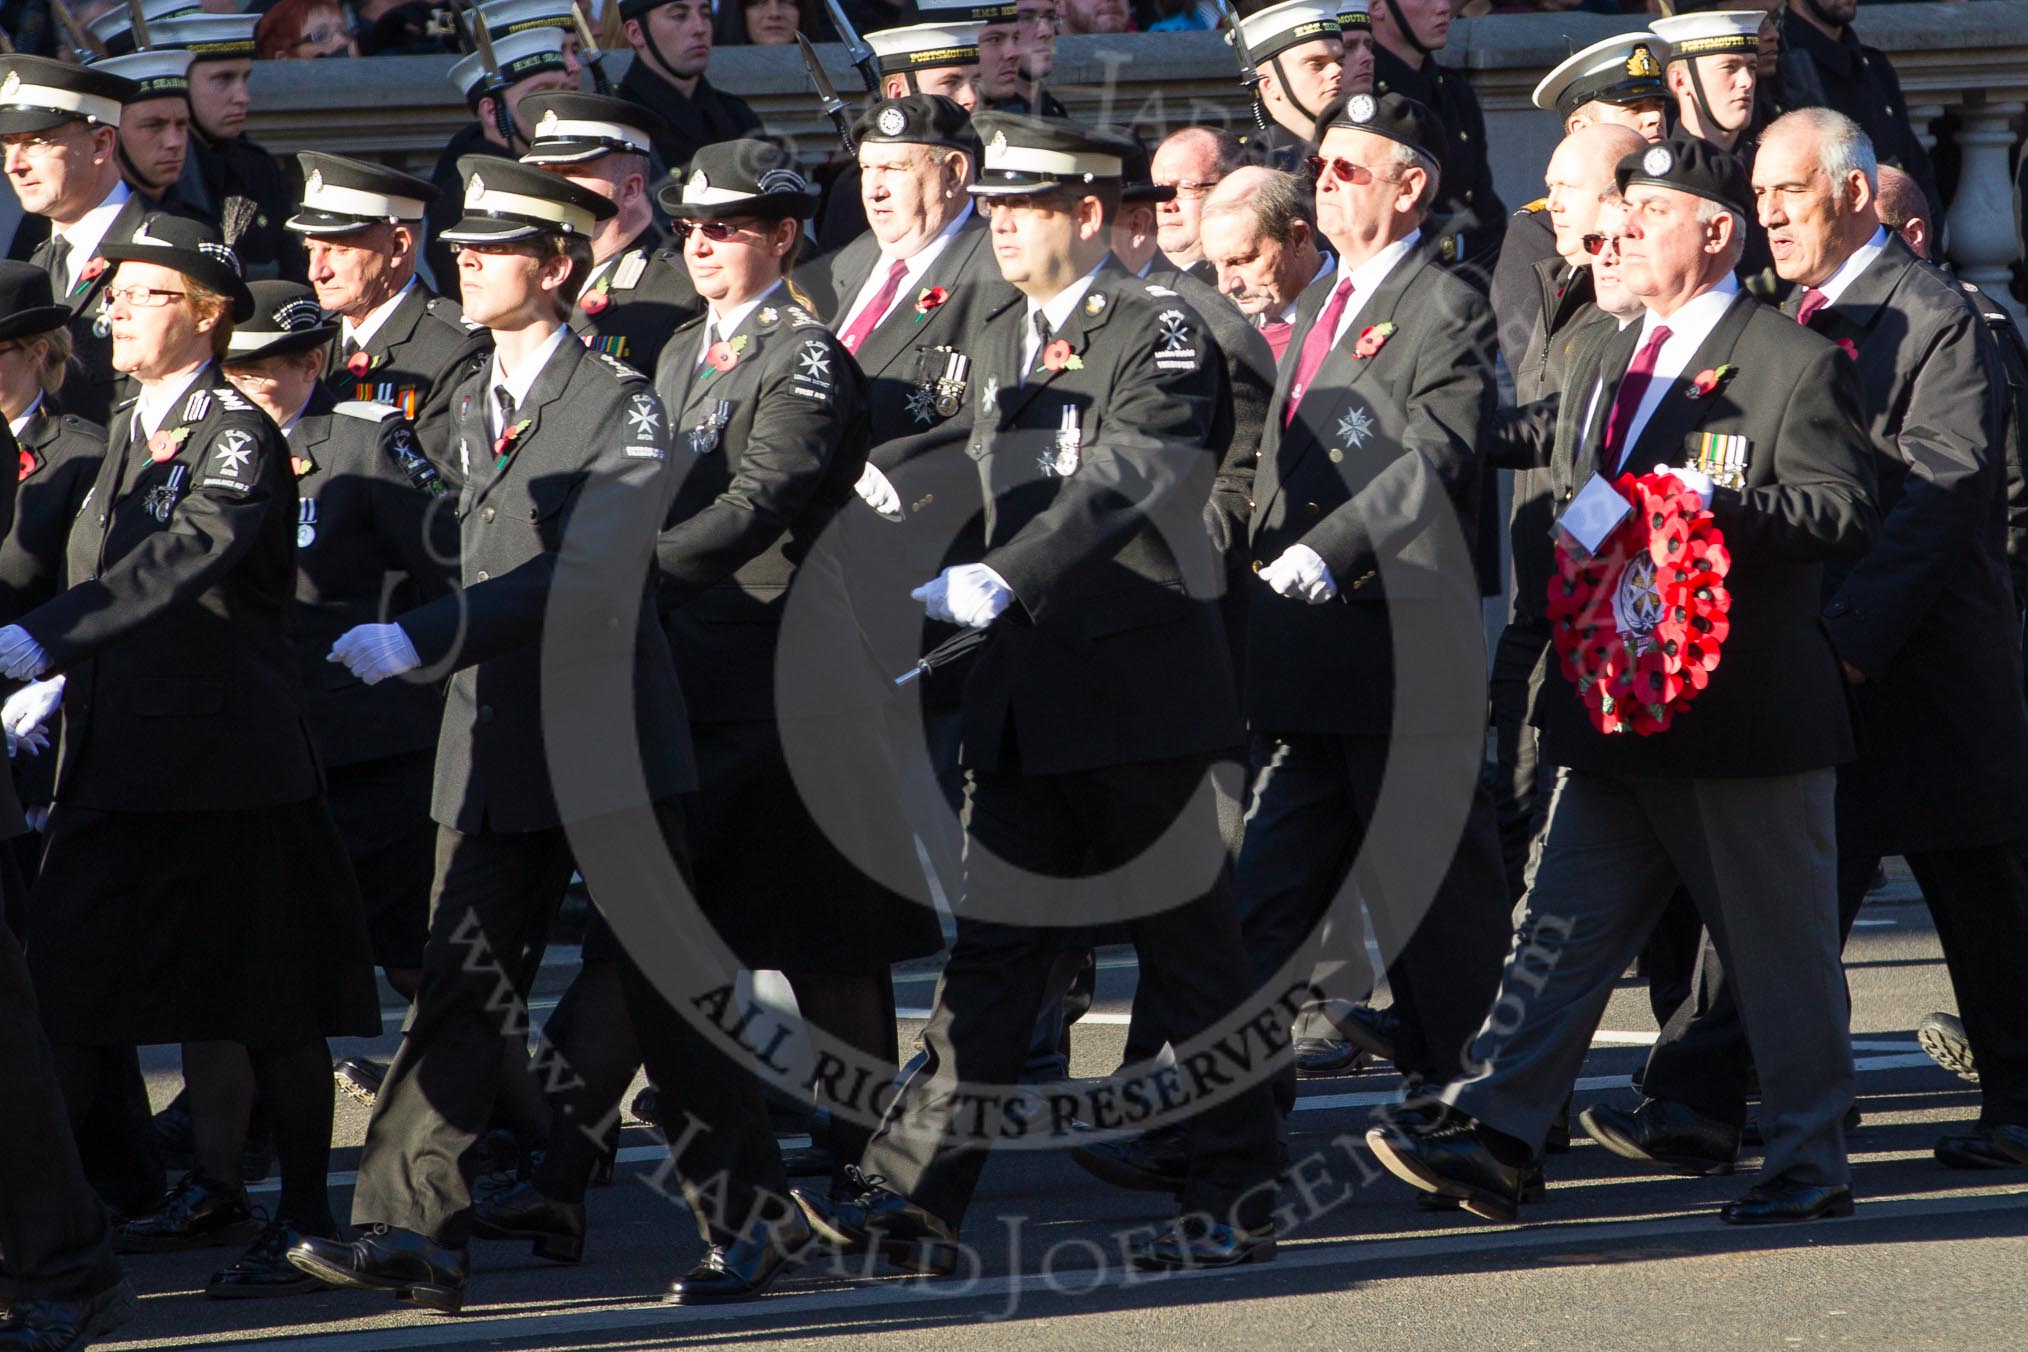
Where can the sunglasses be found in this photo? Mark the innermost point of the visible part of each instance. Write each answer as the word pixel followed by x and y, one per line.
pixel 1358 175
pixel 716 231
pixel 1595 244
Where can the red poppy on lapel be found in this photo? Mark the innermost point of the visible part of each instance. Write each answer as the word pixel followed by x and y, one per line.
pixel 27 464
pixel 1849 348
pixel 164 444
pixel 1058 357
pixel 1371 339
pixel 359 363
pixel 930 299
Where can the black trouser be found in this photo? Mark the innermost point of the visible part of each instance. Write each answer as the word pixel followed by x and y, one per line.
pixel 978 1035
pixel 1979 900
pixel 54 1241
pixel 1312 797
pixel 1520 786
pixel 493 899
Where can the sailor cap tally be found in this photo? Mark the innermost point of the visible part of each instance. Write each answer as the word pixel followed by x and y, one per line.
pixel 1272 31
pixel 1625 69
pixel 159 74
pixel 528 52
pixel 571 127
pixel 341 195
pixel 924 46
pixel 37 94
pixel 1353 16
pixel 1710 33
pixel 506 200
pixel 504 17
pixel 208 37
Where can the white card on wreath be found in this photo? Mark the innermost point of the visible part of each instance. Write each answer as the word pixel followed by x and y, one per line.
pixel 1593 514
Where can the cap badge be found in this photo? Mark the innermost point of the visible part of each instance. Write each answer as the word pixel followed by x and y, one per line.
pixel 1641 65
pixel 893 122
pixel 475 191
pixel 547 126
pixel 698 183
pixel 315 184
pixel 1361 107
pixel 10 86
pixel 1657 162
pixel 998 143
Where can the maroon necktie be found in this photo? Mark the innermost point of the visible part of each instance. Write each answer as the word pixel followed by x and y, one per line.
pixel 1633 386
pixel 1277 332
pixel 1317 346
pixel 870 317
pixel 1813 301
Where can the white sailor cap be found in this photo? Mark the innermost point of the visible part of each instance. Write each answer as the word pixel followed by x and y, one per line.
pixel 512 16
pixel 208 37
pixel 1354 17
pixel 162 73
pixel 528 52
pixel 1623 69
pixel 1710 32
pixel 1272 31
pixel 115 28
pixel 924 46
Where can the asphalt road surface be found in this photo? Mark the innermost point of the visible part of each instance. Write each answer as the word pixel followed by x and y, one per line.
pixel 1614 1258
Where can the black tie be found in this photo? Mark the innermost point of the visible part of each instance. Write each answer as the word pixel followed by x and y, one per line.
pixel 59 265
pixel 505 401
pixel 1044 331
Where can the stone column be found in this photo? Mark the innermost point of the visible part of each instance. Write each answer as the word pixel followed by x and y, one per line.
pixel 1983 242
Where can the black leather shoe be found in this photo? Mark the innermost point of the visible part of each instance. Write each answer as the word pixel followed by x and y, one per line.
pixel 1665 1134
pixel 1321 1058
pixel 1156 1161
pixel 1534 1188
pixel 196 1214
pixel 416 1269
pixel 1781 1200
pixel 66 1325
pixel 1973 1150
pixel 647 1107
pixel 522 1212
pixel 360 1077
pixel 1193 1242
pixel 882 1220
pixel 1943 1037
pixel 745 1268
pixel 2012 1141
pixel 1750 1133
pixel 1373 1031
pixel 265 1269
pixel 1452 1161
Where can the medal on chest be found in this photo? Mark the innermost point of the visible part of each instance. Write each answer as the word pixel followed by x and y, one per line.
pixel 941 374
pixel 160 500
pixel 306 523
pixel 1069 449
pixel 704 437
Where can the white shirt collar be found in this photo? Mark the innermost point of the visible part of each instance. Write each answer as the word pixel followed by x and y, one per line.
pixel 89 231
pixel 914 268
pixel 362 332
pixel 520 382
pixel 1848 271
pixel 15 425
pixel 1367 277
pixel 1688 328
pixel 152 409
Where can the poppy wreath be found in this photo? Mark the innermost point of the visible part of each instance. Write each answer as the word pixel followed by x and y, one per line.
pixel 1662 572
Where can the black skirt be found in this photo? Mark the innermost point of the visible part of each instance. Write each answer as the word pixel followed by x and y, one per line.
pixel 781 894
pixel 239 926
pixel 382 811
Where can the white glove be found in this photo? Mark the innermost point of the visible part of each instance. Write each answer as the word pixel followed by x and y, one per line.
pixel 1693 481
pixel 21 657
pixel 26 710
pixel 970 594
pixel 876 492
pixel 374 652
pixel 1301 575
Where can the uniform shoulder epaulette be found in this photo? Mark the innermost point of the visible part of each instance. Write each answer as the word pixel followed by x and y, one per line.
pixel 627 271
pixel 231 399
pixel 447 310
pixel 801 318
pixel 1157 289
pixel 77 424
pixel 369 409
pixel 1539 204
pixel 618 367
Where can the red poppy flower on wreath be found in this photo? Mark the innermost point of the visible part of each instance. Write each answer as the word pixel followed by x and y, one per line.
pixel 1638 627
pixel 1058 357
pixel 1371 339
pixel 1849 348
pixel 930 299
pixel 360 362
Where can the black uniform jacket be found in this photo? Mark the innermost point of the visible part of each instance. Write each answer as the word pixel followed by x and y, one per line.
pixel 1469 220
pixel 1776 703
pixel 1380 446
pixel 1095 479
pixel 240 168
pixel 704 118
pixel 93 386
pixel 553 637
pixel 771 447
pixel 1928 613
pixel 636 302
pixel 182 686
pixel 411 362
pixel 370 545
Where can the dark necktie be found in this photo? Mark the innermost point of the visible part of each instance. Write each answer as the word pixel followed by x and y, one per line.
pixel 1317 346
pixel 1813 301
pixel 876 309
pixel 59 265
pixel 1044 331
pixel 505 403
pixel 1633 387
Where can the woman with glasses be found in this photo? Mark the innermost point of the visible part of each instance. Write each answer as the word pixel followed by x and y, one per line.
pixel 303 30
pixel 193 889
pixel 774 409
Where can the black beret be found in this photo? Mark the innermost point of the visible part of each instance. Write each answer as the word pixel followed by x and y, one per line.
pixel 1690 165
pixel 1394 116
pixel 917 119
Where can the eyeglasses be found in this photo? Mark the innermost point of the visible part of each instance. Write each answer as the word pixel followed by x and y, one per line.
pixel 716 231
pixel 1186 188
pixel 1358 175
pixel 1596 243
pixel 146 297
pixel 318 36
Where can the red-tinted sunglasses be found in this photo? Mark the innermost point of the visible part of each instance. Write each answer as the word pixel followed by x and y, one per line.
pixel 1346 171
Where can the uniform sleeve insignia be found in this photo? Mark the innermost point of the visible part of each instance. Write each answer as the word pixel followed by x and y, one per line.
pixel 1175 346
pixel 232 453
pixel 627 275
pixel 644 417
